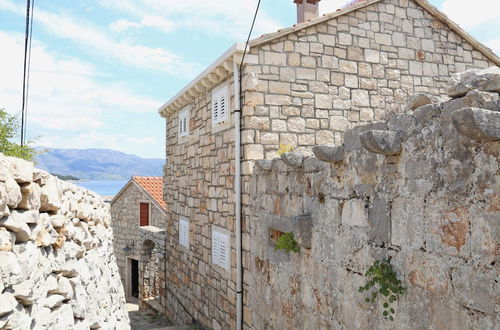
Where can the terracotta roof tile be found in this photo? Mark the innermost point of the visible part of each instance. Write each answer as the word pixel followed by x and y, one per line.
pixel 154 186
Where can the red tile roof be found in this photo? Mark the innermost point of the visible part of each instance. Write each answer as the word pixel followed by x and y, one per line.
pixel 154 186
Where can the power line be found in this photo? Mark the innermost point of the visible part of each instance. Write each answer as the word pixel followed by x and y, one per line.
pixel 248 40
pixel 30 6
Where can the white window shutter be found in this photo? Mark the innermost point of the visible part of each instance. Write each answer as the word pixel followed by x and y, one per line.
pixel 219 106
pixel 184 232
pixel 215 110
pixel 223 257
pixel 215 248
pixel 223 107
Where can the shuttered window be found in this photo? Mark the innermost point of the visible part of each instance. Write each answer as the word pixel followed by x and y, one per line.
pixel 144 214
pixel 184 232
pixel 221 249
pixel 184 122
pixel 220 105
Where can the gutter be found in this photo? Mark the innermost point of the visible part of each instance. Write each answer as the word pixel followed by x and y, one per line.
pixel 237 190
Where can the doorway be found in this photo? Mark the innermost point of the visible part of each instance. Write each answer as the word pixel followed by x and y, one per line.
pixel 134 278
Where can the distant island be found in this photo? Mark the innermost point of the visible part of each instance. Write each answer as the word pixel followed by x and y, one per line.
pixel 65 177
pixel 96 164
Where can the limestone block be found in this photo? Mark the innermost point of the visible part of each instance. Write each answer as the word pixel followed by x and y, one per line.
pixel 10 270
pixel 339 123
pixel 57 221
pixel 18 226
pixel 53 301
pixel 27 254
pixel 483 80
pixel 360 97
pixel 407 229
pixel 296 124
pixel 254 151
pixel 7 303
pixel 478 124
pixel 41 176
pixel 31 196
pixel 381 142
pixel 4 167
pixel 293 159
pixel 18 319
pixel 419 100
pixel 4 208
pixel 329 154
pixel 354 213
pixel 475 294
pixel 424 113
pixel 21 170
pixel 7 239
pixel 13 192
pixel 50 195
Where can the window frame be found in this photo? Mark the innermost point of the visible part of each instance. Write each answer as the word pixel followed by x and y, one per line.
pixel 180 226
pixel 219 234
pixel 149 212
pixel 217 93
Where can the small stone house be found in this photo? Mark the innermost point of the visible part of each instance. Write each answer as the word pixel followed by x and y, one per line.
pixel 138 219
pixel 298 87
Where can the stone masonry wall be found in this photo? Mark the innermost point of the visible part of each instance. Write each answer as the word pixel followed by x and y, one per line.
pixel 128 233
pixel 57 268
pixel 317 83
pixel 422 188
pixel 198 181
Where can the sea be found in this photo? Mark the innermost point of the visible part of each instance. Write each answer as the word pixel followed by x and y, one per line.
pixel 103 187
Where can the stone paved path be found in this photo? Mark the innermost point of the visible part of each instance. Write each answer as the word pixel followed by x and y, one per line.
pixel 150 320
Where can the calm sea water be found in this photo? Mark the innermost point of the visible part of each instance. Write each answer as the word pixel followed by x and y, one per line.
pixel 104 188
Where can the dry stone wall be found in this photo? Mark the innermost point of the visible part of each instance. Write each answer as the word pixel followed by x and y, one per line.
pixel 422 188
pixel 57 268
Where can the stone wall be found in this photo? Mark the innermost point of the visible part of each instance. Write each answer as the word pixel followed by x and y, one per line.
pixel 422 188
pixel 199 176
pixel 57 268
pixel 128 234
pixel 317 83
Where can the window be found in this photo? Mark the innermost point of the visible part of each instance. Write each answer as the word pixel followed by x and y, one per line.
pixel 219 106
pixel 184 232
pixel 184 122
pixel 143 214
pixel 221 249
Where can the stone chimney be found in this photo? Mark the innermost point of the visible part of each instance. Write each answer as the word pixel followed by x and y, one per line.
pixel 306 10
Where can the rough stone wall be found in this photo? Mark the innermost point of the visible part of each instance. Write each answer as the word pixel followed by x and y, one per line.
pixel 422 188
pixel 198 185
pixel 317 83
pixel 128 233
pixel 57 268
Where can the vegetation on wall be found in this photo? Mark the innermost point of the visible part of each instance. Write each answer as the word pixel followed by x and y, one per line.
pixel 9 128
pixel 287 243
pixel 383 280
pixel 284 148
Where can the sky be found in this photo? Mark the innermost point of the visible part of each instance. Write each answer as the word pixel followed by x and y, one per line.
pixel 100 69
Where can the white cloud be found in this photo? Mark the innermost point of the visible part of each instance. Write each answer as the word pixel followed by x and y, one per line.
pixel 144 140
pixel 329 6
pixel 224 17
pixel 65 94
pixel 123 25
pixel 470 14
pixel 494 45
pixel 94 39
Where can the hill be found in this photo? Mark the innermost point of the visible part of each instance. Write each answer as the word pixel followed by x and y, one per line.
pixel 98 164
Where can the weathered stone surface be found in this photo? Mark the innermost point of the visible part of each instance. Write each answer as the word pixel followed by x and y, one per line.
pixel 478 124
pixel 293 159
pixel 21 170
pixel 50 195
pixel 10 270
pixel 264 164
pixel 17 226
pixel 329 154
pixel 31 196
pixel 381 142
pixel 7 303
pixel 4 208
pixel 7 239
pixel 484 80
pixel 14 195
pixel 354 213
pixel 419 100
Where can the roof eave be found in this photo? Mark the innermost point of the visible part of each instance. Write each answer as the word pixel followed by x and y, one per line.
pixel 214 74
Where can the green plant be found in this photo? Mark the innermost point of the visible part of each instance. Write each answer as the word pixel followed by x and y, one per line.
pixel 9 126
pixel 287 242
pixel 383 279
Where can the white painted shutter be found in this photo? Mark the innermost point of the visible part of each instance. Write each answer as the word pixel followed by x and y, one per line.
pixel 223 106
pixel 224 251
pixel 184 232
pixel 215 110
pixel 219 106
pixel 215 248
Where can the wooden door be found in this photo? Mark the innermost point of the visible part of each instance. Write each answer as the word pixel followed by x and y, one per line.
pixel 144 214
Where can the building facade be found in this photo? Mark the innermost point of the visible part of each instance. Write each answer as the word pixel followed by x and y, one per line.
pixel 138 218
pixel 301 86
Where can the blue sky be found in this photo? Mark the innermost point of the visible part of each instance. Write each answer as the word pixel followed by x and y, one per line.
pixel 101 68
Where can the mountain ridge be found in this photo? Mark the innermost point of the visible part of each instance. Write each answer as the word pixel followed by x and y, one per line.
pixel 97 164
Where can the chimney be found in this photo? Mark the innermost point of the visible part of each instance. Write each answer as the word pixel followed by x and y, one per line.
pixel 306 10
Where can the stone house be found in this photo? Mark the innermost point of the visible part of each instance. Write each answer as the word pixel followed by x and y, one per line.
pixel 139 219
pixel 298 87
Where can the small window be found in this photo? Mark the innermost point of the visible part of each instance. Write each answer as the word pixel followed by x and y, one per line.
pixel 221 249
pixel 144 214
pixel 184 122
pixel 184 232
pixel 220 106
